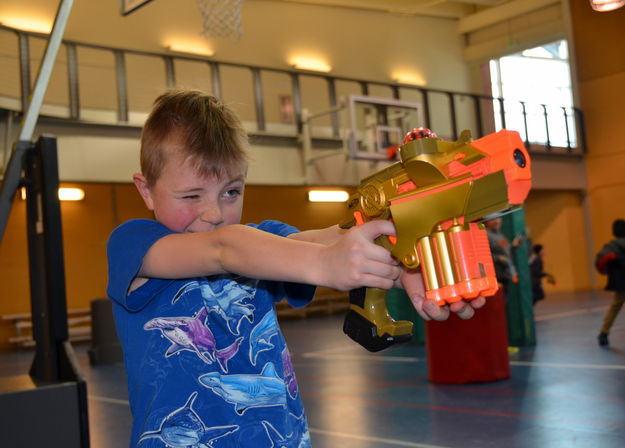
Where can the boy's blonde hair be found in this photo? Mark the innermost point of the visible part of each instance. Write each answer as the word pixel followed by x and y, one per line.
pixel 201 126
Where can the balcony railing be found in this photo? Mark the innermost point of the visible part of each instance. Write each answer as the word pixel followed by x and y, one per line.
pixel 92 83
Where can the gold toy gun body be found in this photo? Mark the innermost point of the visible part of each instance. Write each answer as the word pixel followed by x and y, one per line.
pixel 436 195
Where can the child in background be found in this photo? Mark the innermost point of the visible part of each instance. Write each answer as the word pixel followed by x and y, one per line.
pixel 194 291
pixel 537 272
pixel 611 261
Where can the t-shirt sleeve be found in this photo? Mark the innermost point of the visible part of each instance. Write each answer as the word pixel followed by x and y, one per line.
pixel 297 294
pixel 126 248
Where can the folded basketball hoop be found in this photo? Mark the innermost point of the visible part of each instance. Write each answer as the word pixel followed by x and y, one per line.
pixel 221 18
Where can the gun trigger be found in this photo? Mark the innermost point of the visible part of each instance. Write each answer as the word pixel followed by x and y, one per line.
pixel 359 219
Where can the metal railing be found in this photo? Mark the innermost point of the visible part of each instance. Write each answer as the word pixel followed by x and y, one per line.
pixel 447 112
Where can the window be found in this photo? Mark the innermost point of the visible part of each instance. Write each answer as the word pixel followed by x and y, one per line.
pixel 536 87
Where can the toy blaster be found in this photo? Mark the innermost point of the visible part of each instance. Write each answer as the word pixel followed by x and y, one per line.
pixel 437 195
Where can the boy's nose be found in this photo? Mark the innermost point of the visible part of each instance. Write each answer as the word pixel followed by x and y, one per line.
pixel 212 214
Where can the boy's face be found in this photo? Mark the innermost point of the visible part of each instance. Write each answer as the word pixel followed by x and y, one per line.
pixel 184 201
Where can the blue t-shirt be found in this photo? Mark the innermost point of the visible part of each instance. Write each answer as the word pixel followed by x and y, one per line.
pixel 205 358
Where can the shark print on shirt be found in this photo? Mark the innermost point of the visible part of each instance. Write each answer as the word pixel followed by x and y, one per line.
pixel 184 429
pixel 261 335
pixel 224 296
pixel 248 391
pixel 192 334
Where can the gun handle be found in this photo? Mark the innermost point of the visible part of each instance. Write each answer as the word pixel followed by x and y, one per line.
pixel 369 323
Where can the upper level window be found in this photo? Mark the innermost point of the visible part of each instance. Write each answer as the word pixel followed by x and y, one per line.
pixel 536 87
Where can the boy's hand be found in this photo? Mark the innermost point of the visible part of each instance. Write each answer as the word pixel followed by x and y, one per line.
pixel 354 260
pixel 412 282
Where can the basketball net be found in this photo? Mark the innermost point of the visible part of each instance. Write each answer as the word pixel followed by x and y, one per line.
pixel 221 18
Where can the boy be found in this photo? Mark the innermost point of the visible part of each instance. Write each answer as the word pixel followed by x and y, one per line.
pixel 611 261
pixel 194 290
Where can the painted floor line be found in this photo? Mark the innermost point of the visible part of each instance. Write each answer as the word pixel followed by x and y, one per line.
pixel 568 366
pixel 410 359
pixel 399 359
pixel 372 439
pixel 108 400
pixel 551 316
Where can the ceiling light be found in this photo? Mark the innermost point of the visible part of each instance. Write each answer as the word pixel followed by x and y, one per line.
pixel 71 194
pixel 308 63
pixel 606 5
pixel 408 78
pixel 190 49
pixel 27 24
pixel 65 194
pixel 328 196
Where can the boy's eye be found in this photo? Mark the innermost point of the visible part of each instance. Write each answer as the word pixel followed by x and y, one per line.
pixel 232 193
pixel 191 196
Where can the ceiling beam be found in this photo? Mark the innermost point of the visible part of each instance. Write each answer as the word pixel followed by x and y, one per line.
pixel 501 13
pixel 481 2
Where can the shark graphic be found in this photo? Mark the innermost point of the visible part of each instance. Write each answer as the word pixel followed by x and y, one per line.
pixel 261 335
pixel 191 333
pixel 248 391
pixel 183 428
pixel 224 298
pixel 280 441
pixel 289 373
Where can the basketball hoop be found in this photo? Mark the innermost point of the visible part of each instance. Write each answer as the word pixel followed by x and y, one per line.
pixel 221 18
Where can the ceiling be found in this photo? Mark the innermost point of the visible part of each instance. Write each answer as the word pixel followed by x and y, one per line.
pixel 156 23
pixel 89 18
pixel 432 8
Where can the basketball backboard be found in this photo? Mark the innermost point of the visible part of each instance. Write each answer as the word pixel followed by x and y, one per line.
pixel 377 124
pixel 128 6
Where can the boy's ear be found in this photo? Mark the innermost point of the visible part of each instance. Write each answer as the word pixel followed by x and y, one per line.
pixel 142 186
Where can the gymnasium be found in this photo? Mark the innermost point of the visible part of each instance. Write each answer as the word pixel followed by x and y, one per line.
pixel 326 90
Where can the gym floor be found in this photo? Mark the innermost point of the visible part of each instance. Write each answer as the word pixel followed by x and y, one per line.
pixel 564 392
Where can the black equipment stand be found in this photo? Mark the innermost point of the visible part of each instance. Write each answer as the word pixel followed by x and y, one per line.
pixel 47 407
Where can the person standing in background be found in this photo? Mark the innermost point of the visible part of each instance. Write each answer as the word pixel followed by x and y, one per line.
pixel 501 250
pixel 610 261
pixel 537 272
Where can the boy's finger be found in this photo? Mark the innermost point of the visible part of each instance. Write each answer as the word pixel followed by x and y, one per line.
pixel 478 303
pixel 434 311
pixel 373 229
pixel 384 270
pixel 375 281
pixel 462 309
pixel 378 253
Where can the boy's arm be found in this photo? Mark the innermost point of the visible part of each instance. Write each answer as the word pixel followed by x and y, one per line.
pixel 326 236
pixel 344 263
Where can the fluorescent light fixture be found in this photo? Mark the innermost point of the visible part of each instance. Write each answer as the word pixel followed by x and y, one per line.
pixel 408 78
pixel 65 194
pixel 190 49
pixel 606 5
pixel 31 24
pixel 328 196
pixel 310 63
pixel 71 194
